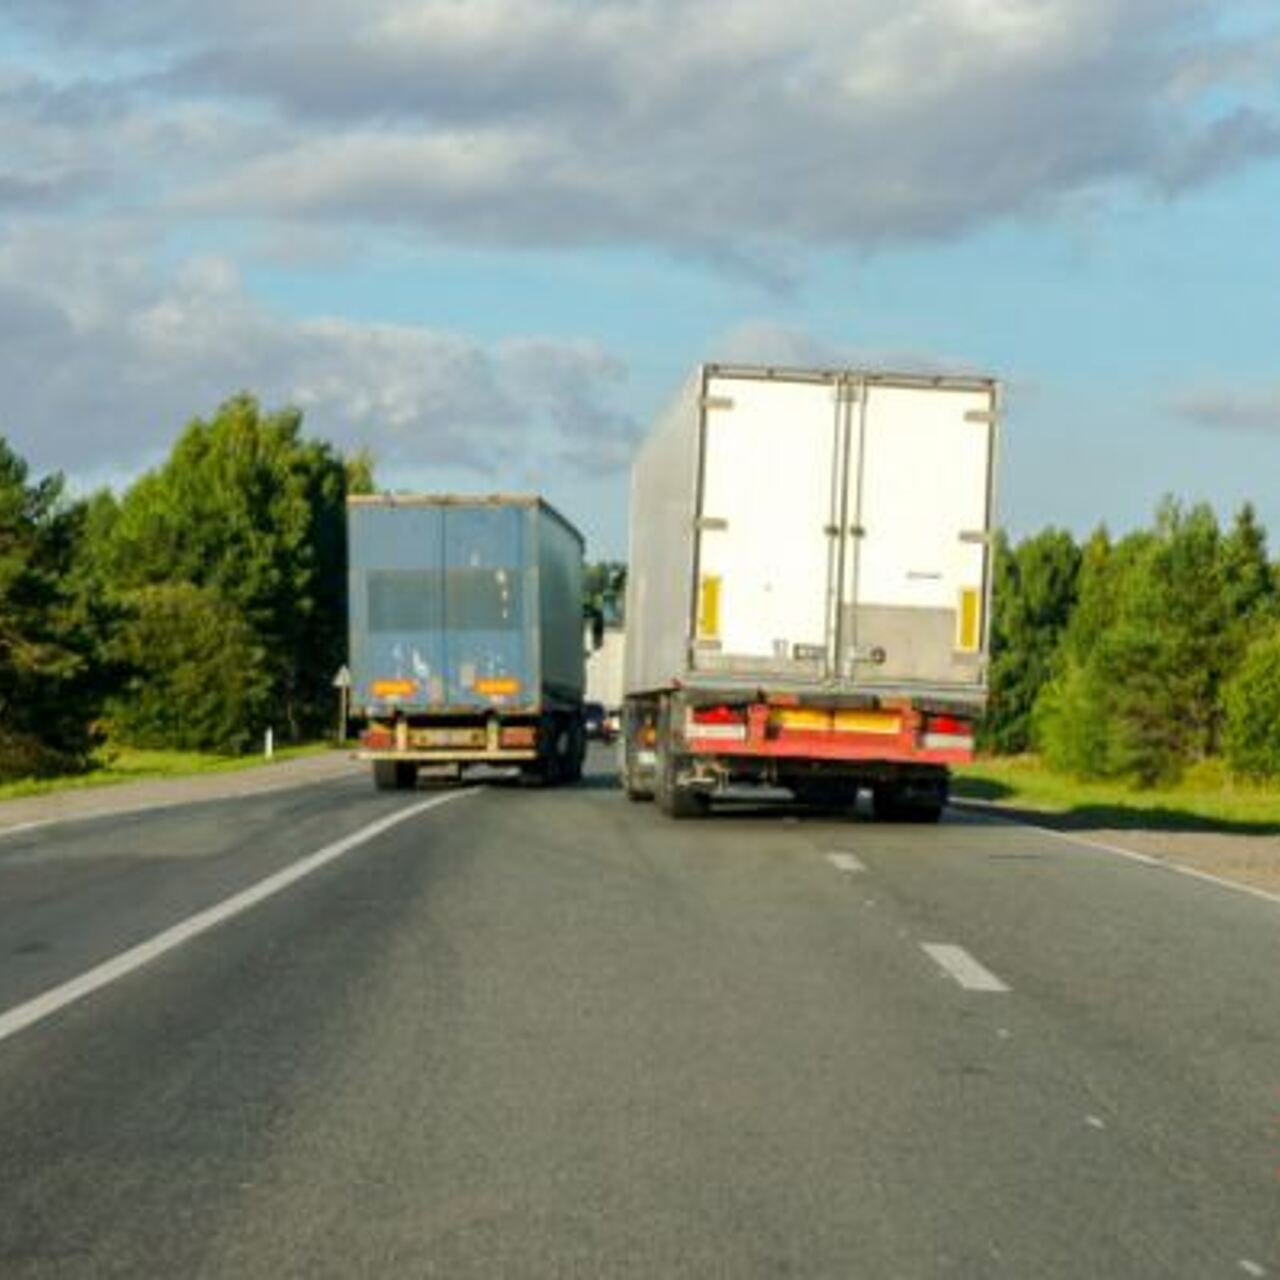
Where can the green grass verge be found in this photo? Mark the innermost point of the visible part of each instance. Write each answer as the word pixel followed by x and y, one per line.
pixel 132 764
pixel 1207 798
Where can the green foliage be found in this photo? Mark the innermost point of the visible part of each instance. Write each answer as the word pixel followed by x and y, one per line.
pixel 1065 724
pixel 1035 591
pixel 52 678
pixel 604 591
pixel 250 511
pixel 1160 624
pixel 199 681
pixel 1252 737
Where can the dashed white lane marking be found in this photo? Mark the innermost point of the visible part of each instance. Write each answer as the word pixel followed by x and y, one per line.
pixel 1095 1122
pixel 960 965
pixel 1251 1268
pixel 42 1006
pixel 849 863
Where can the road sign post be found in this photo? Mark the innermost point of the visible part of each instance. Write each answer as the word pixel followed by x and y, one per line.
pixel 342 682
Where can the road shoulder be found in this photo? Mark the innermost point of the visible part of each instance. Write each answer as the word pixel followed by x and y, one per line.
pixel 81 805
pixel 1251 861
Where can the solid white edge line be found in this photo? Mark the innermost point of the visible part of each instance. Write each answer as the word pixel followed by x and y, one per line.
pixel 1132 855
pixel 849 863
pixel 957 963
pixel 49 1002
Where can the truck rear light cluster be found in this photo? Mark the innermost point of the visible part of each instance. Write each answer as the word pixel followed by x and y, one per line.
pixel 519 735
pixel 947 733
pixel 949 725
pixel 378 739
pixel 727 723
pixel 717 715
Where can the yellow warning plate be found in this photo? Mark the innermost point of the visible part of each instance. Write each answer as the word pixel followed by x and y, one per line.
pixel 498 686
pixel 887 722
pixel 394 688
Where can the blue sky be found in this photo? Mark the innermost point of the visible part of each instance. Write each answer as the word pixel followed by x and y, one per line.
pixel 487 240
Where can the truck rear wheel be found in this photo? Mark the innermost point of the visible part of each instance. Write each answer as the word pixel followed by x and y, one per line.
pixel 577 752
pixel 637 795
pixel 636 781
pixel 916 801
pixel 675 798
pixel 395 775
pixel 557 754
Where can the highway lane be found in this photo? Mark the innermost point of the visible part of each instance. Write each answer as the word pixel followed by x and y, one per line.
pixel 73 894
pixel 553 1034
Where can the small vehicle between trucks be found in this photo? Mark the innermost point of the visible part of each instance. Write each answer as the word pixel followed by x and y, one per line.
pixel 809 588
pixel 466 635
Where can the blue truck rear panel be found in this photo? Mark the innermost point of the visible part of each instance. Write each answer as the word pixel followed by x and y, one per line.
pixel 463 605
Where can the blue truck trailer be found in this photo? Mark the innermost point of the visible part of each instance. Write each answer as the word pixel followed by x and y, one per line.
pixel 466 635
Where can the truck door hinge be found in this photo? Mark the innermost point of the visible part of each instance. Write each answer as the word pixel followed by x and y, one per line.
pixel 717 402
pixel 711 524
pixel 979 536
pixel 988 416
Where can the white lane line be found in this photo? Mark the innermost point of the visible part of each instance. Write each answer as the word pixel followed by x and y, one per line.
pixel 42 1006
pixel 1251 1268
pixel 849 863
pixel 1145 859
pixel 960 965
pixel 1095 1122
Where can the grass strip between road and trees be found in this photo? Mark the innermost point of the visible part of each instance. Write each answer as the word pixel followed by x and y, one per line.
pixel 1206 798
pixel 134 764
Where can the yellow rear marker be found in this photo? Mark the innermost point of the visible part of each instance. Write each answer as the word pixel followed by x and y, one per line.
pixel 709 610
pixel 968 621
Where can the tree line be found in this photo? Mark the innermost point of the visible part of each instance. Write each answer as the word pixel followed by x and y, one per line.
pixel 1136 657
pixel 204 603
pixel 208 601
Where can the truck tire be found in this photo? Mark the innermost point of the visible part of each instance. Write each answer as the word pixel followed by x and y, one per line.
pixel 577 752
pixel 395 775
pixel 675 799
pixel 634 792
pixel 553 764
pixel 892 802
pixel 632 726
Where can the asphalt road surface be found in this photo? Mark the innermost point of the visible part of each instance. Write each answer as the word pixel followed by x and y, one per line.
pixel 551 1033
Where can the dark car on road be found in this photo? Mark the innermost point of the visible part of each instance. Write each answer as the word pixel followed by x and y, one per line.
pixel 596 722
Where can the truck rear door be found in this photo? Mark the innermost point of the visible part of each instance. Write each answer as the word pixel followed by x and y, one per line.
pixel 771 460
pixel 397 606
pixel 916 579
pixel 486 607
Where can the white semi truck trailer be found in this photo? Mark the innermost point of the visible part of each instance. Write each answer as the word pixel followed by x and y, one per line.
pixel 808 597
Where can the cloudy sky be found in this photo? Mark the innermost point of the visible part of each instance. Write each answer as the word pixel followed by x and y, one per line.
pixel 487 239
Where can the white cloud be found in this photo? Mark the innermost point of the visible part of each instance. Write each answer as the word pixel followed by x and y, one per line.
pixel 716 127
pixel 1254 410
pixel 103 359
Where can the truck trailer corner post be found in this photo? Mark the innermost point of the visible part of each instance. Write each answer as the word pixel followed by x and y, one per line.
pixel 465 635
pixel 809 589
